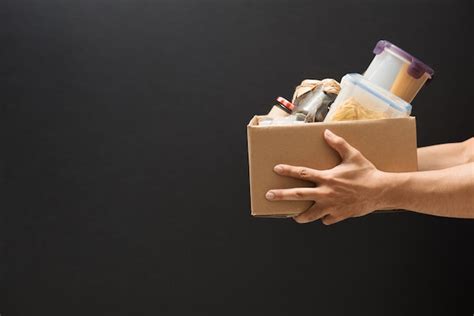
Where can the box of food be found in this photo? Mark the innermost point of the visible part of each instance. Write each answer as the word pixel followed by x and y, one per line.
pixel 390 144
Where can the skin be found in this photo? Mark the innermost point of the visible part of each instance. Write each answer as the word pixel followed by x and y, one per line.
pixel 444 186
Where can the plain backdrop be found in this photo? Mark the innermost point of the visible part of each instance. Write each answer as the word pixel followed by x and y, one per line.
pixel 124 159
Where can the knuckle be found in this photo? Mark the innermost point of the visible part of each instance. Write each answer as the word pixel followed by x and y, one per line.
pixel 339 141
pixel 329 180
pixel 299 193
pixel 355 155
pixel 331 192
pixel 304 173
pixel 323 177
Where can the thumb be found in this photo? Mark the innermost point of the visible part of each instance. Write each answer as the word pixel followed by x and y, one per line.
pixel 339 144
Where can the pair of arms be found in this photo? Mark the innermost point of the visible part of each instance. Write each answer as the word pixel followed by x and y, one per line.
pixel 443 186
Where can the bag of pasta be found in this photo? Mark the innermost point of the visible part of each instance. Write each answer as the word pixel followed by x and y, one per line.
pixel 359 99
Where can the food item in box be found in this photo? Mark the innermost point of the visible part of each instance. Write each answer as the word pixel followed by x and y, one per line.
pixel 351 110
pixel 307 85
pixel 312 98
pixel 397 71
pixel 361 99
pixel 282 109
pixel 288 120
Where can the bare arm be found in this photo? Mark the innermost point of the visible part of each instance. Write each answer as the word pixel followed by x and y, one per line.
pixel 445 155
pixel 448 192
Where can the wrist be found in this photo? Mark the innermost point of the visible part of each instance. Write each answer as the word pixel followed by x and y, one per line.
pixel 393 190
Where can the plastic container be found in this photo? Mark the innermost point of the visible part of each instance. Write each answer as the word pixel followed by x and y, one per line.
pixel 397 71
pixel 361 99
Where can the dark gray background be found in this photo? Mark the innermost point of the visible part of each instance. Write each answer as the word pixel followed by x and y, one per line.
pixel 124 159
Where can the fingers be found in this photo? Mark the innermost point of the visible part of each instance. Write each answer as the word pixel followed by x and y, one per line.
pixel 327 215
pixel 339 144
pixel 298 172
pixel 331 219
pixel 295 194
pixel 312 214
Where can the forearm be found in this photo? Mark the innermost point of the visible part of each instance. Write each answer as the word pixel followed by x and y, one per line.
pixel 445 156
pixel 448 192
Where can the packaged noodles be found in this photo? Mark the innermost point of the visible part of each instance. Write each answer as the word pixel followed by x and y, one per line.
pixel 351 110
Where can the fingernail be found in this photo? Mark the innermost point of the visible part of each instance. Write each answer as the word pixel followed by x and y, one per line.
pixel 278 168
pixel 270 195
pixel 328 133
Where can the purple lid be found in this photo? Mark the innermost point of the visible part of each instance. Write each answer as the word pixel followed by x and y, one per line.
pixel 416 69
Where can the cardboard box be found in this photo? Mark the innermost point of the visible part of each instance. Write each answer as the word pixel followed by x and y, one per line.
pixel 390 144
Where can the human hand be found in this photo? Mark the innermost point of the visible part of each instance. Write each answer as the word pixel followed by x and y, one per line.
pixel 351 189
